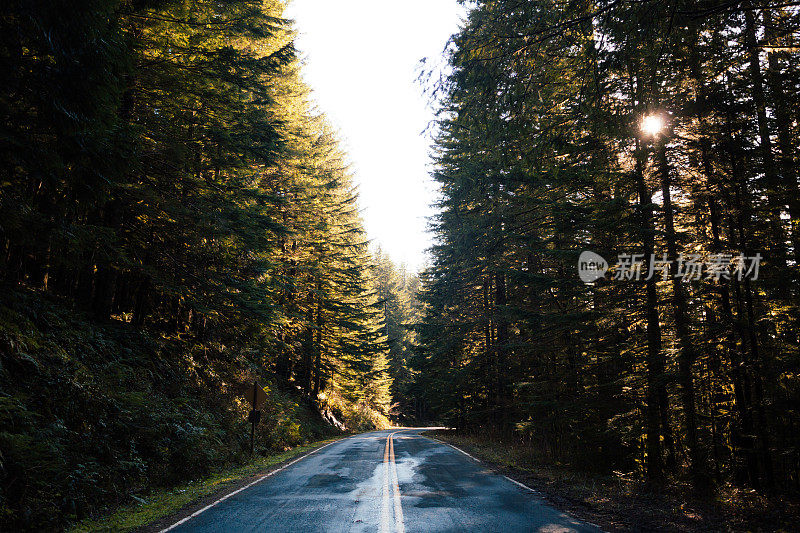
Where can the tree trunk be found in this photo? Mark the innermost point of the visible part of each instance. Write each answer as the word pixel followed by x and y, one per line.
pixel 786 145
pixel 686 355
pixel 740 232
pixel 501 346
pixel 765 143
pixel 317 373
pixel 655 360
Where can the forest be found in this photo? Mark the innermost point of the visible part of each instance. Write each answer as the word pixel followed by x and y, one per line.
pixel 179 221
pixel 667 129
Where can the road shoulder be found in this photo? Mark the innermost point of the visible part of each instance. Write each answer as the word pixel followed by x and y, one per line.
pixel 618 504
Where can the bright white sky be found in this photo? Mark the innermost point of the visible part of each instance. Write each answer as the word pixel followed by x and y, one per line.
pixel 361 61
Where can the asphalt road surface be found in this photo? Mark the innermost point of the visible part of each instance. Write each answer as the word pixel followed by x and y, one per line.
pixel 383 481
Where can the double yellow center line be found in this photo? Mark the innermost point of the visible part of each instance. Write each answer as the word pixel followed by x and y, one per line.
pixel 390 483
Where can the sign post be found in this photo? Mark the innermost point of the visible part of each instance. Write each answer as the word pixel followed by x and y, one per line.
pixel 256 396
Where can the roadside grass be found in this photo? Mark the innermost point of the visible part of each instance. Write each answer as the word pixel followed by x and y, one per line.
pixel 622 503
pixel 160 503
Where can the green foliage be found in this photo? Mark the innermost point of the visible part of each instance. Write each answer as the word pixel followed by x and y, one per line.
pixel 397 290
pixel 164 178
pixel 93 414
pixel 540 157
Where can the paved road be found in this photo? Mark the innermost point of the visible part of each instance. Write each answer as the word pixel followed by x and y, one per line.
pixel 384 481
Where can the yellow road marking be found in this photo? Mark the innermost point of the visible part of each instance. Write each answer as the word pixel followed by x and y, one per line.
pixel 398 506
pixel 385 503
pixel 390 481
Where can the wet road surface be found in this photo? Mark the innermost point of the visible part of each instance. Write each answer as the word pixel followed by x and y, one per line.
pixel 384 481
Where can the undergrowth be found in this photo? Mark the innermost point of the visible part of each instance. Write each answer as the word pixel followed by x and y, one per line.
pixel 91 415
